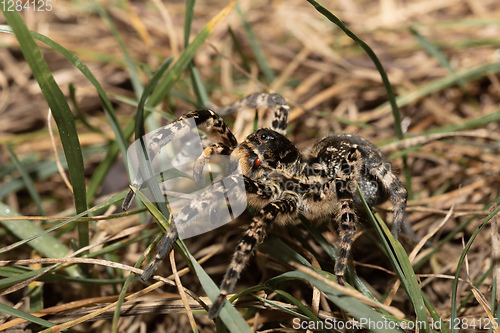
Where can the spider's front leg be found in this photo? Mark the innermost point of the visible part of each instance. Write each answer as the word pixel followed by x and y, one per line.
pixel 254 235
pixel 164 247
pixel 206 120
pixel 200 206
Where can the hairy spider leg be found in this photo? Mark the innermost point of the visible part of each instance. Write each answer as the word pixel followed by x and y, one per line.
pixel 206 120
pixel 201 204
pixel 398 196
pixel 254 235
pixel 346 219
pixel 277 117
pixel 377 182
pixel 164 248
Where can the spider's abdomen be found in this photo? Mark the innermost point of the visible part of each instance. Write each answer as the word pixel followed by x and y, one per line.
pixel 344 154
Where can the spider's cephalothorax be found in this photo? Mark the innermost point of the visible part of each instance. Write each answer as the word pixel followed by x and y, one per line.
pixel 282 182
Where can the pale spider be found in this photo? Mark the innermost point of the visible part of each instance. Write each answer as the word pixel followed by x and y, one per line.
pixel 283 182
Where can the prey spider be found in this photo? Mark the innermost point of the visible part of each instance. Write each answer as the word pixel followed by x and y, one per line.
pixel 282 182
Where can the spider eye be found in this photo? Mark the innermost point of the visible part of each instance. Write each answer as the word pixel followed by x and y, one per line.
pixel 265 137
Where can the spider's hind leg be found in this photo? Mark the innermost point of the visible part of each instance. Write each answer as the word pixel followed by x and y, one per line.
pixel 396 192
pixel 278 110
pixel 347 219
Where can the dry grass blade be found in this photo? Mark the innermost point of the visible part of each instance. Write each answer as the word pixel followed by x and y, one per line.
pixel 316 292
pixel 350 292
pixel 111 306
pixel 482 301
pixel 433 230
pixel 425 139
pixel 56 153
pixel 181 292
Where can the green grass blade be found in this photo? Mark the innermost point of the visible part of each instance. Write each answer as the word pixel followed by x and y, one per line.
pixel 61 112
pixel 298 304
pixel 14 275
pixel 477 282
pixel 436 319
pixel 134 76
pixel 188 20
pixel 281 251
pixel 358 310
pixel 103 168
pixel 451 235
pixel 79 113
pixel 454 291
pixel 139 115
pixel 434 51
pixel 4 209
pixel 198 86
pixel 228 314
pixel 45 244
pixel 8 168
pixel 23 315
pixel 39 169
pixel 414 292
pixel 373 57
pixel 385 80
pixel 284 309
pixel 493 298
pixel 497 311
pixel 106 103
pixel 469 124
pixel 30 185
pixel 149 108
pixel 123 294
pixel 257 50
pixel 239 50
pixel 187 55
pixel 446 82
pixel 36 298
pixel 400 261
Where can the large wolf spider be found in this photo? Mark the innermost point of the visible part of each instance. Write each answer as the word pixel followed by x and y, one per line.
pixel 283 182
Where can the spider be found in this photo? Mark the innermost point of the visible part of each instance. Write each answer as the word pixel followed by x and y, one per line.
pixel 282 182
